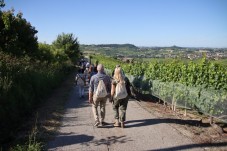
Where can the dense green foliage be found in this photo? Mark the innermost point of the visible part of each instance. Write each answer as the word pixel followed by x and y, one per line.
pixel 46 53
pixel 2 4
pixel 28 70
pixel 24 82
pixel 17 36
pixel 200 85
pixel 205 73
pixel 32 144
pixel 67 44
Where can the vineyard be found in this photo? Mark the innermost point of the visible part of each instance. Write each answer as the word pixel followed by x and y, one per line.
pixel 200 86
pixel 36 105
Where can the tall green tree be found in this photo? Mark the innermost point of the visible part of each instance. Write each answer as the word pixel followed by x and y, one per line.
pixel 45 53
pixel 17 35
pixel 68 44
pixel 2 4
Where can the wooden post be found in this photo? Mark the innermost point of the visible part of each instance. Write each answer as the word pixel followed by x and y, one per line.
pixel 211 120
pixel 173 103
pixel 185 108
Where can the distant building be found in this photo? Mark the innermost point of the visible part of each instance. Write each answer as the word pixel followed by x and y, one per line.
pixel 127 60
pixel 203 51
pixel 169 50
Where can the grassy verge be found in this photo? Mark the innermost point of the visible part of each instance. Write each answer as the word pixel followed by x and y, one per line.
pixel 44 123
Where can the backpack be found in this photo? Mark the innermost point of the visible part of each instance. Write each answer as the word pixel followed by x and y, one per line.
pixel 101 90
pixel 120 91
pixel 80 81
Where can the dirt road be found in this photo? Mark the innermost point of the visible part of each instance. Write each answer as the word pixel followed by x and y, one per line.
pixel 144 131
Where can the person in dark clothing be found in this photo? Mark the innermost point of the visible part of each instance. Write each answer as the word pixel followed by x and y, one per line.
pixel 95 67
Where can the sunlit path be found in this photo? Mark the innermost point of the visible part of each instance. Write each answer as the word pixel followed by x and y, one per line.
pixel 143 130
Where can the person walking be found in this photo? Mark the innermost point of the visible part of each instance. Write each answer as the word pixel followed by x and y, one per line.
pixel 120 92
pixel 87 75
pixel 95 67
pixel 99 91
pixel 91 71
pixel 80 80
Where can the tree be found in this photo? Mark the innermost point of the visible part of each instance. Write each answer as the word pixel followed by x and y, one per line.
pixel 45 53
pixel 2 4
pixel 17 36
pixel 68 44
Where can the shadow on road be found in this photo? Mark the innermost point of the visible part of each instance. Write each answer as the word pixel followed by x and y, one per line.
pixel 69 139
pixel 190 146
pixel 66 139
pixel 112 140
pixel 147 122
pixel 76 101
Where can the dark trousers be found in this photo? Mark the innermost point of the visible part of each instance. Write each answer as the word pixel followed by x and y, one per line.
pixel 121 105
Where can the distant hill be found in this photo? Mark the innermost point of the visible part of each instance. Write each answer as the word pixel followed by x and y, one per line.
pixel 168 47
pixel 115 45
pixel 110 49
pixel 176 47
pixel 118 45
pixel 130 50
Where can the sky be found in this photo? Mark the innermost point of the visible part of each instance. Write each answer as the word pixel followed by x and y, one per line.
pixel 185 23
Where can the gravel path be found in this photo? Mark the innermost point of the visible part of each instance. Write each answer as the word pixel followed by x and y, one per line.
pixel 144 131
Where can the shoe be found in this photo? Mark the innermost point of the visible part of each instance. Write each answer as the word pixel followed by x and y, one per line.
pixel 96 124
pixel 116 124
pixel 103 123
pixel 122 125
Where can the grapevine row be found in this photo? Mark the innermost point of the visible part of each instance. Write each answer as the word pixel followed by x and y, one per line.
pixel 206 74
pixel 201 86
